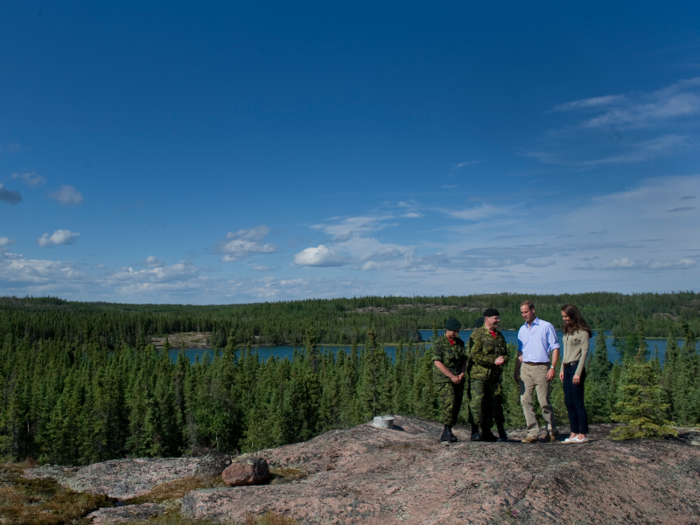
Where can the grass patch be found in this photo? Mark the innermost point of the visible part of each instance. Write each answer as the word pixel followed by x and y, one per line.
pixel 176 489
pixel 175 519
pixel 269 518
pixel 41 501
pixel 286 475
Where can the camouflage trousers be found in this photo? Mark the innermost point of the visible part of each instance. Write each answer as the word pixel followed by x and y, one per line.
pixel 486 403
pixel 451 396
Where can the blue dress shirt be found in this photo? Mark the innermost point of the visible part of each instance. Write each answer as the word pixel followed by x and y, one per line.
pixel 537 341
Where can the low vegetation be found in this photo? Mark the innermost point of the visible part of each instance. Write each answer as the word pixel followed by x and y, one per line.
pixel 176 489
pixel 42 501
pixel 175 519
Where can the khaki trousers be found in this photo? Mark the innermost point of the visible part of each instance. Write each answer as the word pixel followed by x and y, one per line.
pixel 535 377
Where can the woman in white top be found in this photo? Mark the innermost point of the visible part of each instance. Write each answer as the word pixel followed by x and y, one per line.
pixel 573 371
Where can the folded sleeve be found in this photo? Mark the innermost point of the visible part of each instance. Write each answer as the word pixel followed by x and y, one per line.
pixel 552 340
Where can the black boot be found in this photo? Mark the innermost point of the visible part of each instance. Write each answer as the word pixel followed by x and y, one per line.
pixel 502 436
pixel 445 434
pixel 453 438
pixel 487 435
pixel 476 436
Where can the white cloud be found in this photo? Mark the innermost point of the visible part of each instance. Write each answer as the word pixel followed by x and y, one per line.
pixel 682 264
pixel 343 238
pixel 368 253
pixel 152 262
pixel 67 196
pixel 360 224
pixel 641 110
pixel 632 152
pixel 588 103
pixel 462 164
pixel 260 268
pixel 625 263
pixel 9 196
pixel 412 215
pixel 625 129
pixel 320 256
pixel 58 237
pixel 5 241
pixel 20 273
pixel 476 213
pixel 32 179
pixel 540 263
pixel 242 243
pixel 389 259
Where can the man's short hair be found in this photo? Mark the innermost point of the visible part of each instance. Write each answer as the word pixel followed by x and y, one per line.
pixel 529 304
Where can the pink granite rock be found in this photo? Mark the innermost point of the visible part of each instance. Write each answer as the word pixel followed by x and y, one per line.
pixel 130 478
pixel 248 471
pixel 366 475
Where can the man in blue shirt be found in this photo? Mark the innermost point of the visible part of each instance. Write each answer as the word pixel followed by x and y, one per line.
pixel 537 341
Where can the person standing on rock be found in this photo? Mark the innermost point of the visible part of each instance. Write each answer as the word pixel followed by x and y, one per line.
pixel 450 359
pixel 572 373
pixel 488 353
pixel 537 341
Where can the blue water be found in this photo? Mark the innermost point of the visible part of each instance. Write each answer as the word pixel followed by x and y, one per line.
pixel 512 337
pixel 280 352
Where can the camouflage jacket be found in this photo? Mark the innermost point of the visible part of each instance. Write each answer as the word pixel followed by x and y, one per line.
pixel 483 350
pixel 452 356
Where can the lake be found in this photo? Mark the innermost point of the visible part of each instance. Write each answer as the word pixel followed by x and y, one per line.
pixel 280 352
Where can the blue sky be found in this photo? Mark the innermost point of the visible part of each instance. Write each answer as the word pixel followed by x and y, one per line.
pixel 235 152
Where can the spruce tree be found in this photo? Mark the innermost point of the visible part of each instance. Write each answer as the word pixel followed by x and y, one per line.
pixel 640 405
pixel 372 381
pixel 686 411
pixel 599 366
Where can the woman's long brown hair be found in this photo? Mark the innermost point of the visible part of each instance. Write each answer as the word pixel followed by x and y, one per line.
pixel 579 322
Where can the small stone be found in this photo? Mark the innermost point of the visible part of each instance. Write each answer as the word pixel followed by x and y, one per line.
pixel 249 471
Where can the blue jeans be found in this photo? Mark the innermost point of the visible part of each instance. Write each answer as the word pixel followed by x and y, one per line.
pixel 573 398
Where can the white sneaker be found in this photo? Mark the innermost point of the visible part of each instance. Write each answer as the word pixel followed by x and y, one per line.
pixel 577 440
pixel 569 440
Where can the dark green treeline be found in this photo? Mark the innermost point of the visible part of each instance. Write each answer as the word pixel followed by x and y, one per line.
pixel 335 320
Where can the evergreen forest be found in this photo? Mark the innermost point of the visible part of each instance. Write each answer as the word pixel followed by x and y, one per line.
pixel 82 382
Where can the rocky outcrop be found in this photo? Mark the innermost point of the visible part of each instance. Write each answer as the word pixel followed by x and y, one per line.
pixel 366 475
pixel 125 479
pixel 248 471
pixel 372 476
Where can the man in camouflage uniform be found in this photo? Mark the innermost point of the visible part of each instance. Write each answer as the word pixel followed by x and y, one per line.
pixel 488 354
pixel 450 359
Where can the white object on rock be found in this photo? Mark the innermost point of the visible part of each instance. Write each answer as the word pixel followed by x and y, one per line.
pixel 383 422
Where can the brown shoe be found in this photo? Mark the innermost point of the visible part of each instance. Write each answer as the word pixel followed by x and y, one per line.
pixel 531 439
pixel 552 438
